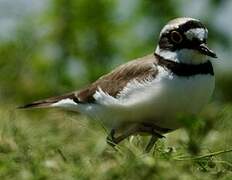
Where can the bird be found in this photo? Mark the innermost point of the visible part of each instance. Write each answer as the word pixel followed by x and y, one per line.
pixel 147 95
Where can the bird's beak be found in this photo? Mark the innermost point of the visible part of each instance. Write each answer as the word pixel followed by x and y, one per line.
pixel 203 49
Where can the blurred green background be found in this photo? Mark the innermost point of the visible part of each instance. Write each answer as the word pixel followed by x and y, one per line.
pixel 50 47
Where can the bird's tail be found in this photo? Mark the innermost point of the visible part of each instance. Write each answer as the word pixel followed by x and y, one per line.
pixel 57 101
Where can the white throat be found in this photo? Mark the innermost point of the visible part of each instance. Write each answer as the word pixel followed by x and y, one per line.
pixel 187 56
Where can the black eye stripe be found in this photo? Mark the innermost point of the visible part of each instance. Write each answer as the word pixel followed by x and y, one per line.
pixel 166 42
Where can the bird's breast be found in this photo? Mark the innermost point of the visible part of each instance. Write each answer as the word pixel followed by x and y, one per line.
pixel 180 95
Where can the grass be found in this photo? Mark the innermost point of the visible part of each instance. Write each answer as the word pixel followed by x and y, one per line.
pixel 48 144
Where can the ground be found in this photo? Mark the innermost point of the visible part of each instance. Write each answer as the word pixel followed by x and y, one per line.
pixel 51 144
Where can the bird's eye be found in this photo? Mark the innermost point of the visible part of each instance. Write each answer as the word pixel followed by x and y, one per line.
pixel 176 37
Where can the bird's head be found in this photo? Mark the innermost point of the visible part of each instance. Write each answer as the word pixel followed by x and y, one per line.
pixel 184 40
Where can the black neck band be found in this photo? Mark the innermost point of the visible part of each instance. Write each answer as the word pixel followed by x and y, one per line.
pixel 182 69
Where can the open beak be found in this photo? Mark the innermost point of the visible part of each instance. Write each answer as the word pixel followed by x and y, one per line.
pixel 203 49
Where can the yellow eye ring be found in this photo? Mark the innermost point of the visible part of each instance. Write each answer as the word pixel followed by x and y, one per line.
pixel 176 37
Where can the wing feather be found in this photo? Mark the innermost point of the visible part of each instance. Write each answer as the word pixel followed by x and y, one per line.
pixel 139 69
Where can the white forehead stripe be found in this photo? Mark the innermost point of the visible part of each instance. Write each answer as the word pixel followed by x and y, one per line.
pixel 199 33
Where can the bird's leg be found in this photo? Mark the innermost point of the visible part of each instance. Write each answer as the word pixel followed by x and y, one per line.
pixel 155 135
pixel 135 129
pixel 112 140
pixel 151 143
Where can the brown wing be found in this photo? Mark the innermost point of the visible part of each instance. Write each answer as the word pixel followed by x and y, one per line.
pixel 112 83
